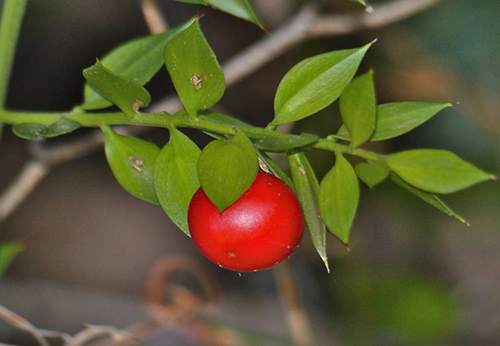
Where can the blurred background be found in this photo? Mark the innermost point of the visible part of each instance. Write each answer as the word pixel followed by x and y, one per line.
pixel 413 275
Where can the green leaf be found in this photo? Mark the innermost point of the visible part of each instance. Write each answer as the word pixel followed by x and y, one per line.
pixel 437 171
pixel 138 60
pixel 358 108
pixel 315 83
pixel 339 198
pixel 365 4
pixel 125 93
pixel 8 251
pixel 273 168
pixel 433 200
pixel 176 180
pixel 34 130
pixel 132 161
pixel 372 173
pixel 194 70
pixel 227 168
pixel 395 119
pixel 237 8
pixel 307 189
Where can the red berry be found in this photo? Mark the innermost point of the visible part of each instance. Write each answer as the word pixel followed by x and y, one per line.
pixel 261 229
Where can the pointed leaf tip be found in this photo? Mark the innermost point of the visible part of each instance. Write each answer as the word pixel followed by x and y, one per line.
pixel 315 83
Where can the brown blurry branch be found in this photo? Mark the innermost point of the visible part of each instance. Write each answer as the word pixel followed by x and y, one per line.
pixel 153 16
pixel 297 319
pixel 305 25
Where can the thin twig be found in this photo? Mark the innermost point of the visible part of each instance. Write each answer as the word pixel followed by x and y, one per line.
pixel 307 24
pixel 153 16
pixel 31 174
pixel 20 323
pixel 382 16
pixel 296 317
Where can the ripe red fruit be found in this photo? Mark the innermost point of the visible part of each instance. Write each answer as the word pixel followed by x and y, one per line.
pixel 261 229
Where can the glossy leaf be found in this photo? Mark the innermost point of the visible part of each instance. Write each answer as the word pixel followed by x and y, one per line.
pixel 8 251
pixel 34 130
pixel 307 189
pixel 176 180
pixel 315 83
pixel 237 8
pixel 194 70
pixel 273 168
pixel 227 168
pixel 437 171
pixel 358 108
pixel 339 198
pixel 372 173
pixel 138 60
pixel 125 93
pixel 395 119
pixel 433 200
pixel 132 161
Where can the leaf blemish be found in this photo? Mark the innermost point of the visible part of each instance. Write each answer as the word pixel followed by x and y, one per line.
pixel 196 81
pixel 302 170
pixel 137 104
pixel 136 163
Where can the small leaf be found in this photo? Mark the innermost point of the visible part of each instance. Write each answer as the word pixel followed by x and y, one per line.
pixel 274 168
pixel 138 60
pixel 227 168
pixel 395 119
pixel 8 251
pixel 339 198
pixel 176 180
pixel 433 200
pixel 372 173
pixel 237 8
pixel 34 130
pixel 132 161
pixel 307 189
pixel 60 127
pixel 194 70
pixel 365 4
pixel 437 171
pixel 28 130
pixel 127 94
pixel 358 108
pixel 315 83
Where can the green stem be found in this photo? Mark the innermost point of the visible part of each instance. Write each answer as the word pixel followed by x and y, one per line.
pixel 10 26
pixel 326 144
pixel 164 120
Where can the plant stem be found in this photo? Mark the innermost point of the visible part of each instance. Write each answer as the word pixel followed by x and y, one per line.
pixel 163 120
pixel 326 144
pixel 12 16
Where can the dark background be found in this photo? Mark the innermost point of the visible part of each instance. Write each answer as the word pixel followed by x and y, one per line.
pixel 413 276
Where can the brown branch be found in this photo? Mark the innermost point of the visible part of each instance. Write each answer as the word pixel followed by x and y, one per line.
pixel 153 16
pixel 25 182
pixel 296 317
pixel 20 323
pixel 307 24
